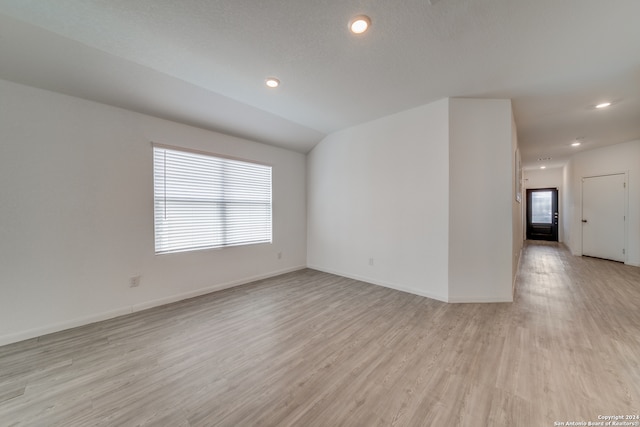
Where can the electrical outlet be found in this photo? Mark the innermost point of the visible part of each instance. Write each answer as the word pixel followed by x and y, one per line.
pixel 134 281
pixel 370 261
pixel 279 255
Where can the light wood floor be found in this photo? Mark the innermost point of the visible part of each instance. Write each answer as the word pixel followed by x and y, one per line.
pixel 313 349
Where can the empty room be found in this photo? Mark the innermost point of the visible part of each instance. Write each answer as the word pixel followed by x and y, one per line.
pixel 329 213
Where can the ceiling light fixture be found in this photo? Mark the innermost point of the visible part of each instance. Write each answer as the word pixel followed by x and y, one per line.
pixel 543 167
pixel 603 105
pixel 575 144
pixel 272 82
pixel 359 24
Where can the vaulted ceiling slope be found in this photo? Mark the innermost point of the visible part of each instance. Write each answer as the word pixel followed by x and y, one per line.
pixel 204 62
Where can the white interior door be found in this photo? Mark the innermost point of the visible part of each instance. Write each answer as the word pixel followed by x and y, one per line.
pixel 603 216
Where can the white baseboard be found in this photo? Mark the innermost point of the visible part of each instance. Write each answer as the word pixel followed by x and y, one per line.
pixel 383 284
pixel 515 275
pixel 219 287
pixel 61 326
pixel 484 300
pixel 489 299
pixel 82 321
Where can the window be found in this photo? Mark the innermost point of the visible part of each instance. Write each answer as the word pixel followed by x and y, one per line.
pixel 541 207
pixel 204 202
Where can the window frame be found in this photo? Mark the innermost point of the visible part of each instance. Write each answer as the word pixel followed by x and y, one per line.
pixel 223 204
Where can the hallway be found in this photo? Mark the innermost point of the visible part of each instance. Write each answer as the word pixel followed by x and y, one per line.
pixel 579 321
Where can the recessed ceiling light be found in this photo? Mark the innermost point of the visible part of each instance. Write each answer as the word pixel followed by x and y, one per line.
pixel 603 105
pixel 272 82
pixel 359 24
pixel 543 167
pixel 575 144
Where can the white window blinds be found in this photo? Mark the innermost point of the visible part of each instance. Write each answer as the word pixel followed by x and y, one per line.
pixel 204 202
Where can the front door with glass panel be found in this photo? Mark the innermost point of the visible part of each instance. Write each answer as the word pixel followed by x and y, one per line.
pixel 542 214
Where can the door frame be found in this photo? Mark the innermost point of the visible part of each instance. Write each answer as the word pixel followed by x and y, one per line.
pixel 555 213
pixel 626 210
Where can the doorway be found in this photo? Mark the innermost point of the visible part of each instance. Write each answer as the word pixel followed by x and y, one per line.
pixel 603 216
pixel 542 214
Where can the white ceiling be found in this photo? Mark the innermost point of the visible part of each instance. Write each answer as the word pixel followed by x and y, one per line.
pixel 203 62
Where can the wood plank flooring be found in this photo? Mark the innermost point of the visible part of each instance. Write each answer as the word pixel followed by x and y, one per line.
pixel 313 349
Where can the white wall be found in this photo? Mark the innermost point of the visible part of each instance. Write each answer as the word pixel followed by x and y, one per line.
pixel 481 197
pixel 427 194
pixel 543 178
pixel 517 207
pixel 380 190
pixel 568 204
pixel 619 158
pixel 548 178
pixel 76 214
